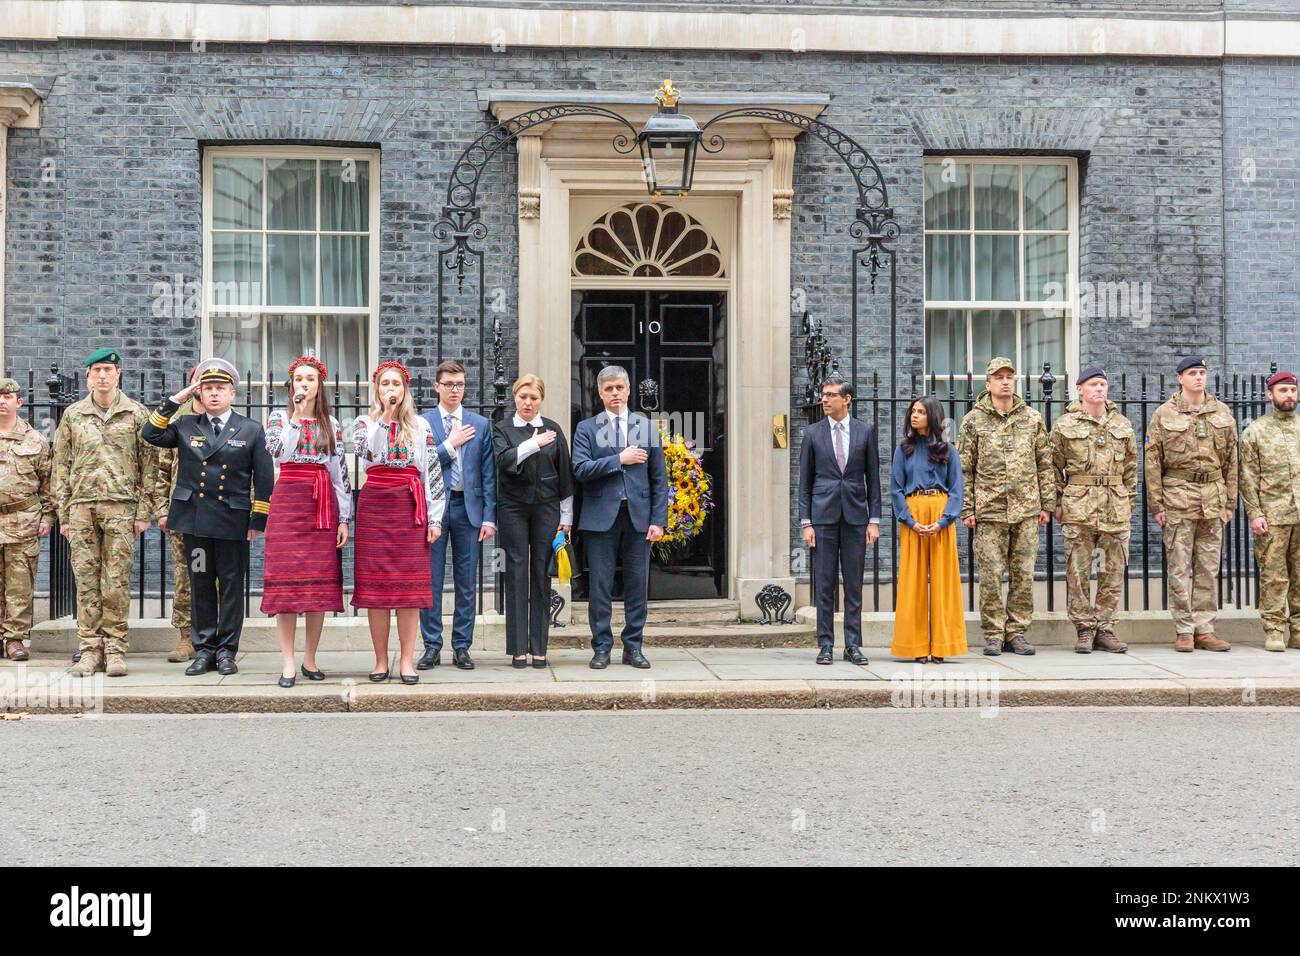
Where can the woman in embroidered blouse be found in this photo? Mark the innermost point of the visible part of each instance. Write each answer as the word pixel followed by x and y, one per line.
pixel 310 510
pixel 926 488
pixel 399 514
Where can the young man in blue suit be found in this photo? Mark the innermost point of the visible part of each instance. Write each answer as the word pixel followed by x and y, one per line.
pixel 620 463
pixel 464 442
pixel 839 509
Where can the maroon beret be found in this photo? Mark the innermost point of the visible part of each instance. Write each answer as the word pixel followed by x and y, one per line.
pixel 1282 378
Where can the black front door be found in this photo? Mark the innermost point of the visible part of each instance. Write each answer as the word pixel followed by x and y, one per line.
pixel 673 347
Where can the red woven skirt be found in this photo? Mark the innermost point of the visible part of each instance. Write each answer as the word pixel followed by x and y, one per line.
pixel 391 556
pixel 303 570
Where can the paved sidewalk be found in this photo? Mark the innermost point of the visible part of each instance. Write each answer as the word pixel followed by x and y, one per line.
pixel 680 677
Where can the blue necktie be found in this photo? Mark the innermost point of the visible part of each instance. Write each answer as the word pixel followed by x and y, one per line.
pixel 448 422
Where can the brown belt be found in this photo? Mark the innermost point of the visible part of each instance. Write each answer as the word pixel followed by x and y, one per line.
pixel 1191 474
pixel 22 505
pixel 1095 480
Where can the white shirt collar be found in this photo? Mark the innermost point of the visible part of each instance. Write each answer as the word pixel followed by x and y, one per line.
pixel 521 422
pixel 444 412
pixel 613 415
pixel 222 418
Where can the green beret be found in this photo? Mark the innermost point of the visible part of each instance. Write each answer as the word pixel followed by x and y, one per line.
pixel 9 387
pixel 112 356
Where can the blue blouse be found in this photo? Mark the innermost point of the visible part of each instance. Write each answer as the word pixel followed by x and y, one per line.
pixel 916 471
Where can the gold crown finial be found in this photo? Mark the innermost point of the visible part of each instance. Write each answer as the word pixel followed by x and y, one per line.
pixel 667 95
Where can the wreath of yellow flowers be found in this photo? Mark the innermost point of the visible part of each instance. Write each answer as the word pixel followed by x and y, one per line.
pixel 691 499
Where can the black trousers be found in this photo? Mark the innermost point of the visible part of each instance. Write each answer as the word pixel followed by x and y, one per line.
pixel 526 532
pixel 216 564
pixel 841 549
pixel 622 545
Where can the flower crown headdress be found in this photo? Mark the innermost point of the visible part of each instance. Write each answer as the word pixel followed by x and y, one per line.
pixel 379 370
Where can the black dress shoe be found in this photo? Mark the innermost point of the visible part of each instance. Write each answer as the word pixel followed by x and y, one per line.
pixel 599 660
pixel 201 664
pixel 312 675
pixel 462 659
pixel 635 659
pixel 824 654
pixel 518 662
pixel 379 678
pixel 539 661
pixel 287 682
pixel 429 660
pixel 410 678
pixel 854 655
pixel 227 666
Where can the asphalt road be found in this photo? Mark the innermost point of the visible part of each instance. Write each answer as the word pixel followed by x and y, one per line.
pixel 1067 786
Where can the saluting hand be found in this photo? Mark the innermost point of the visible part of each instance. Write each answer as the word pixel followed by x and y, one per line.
pixel 180 397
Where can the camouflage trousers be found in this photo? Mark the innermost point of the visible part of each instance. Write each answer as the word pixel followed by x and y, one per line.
pixel 1109 549
pixel 180 583
pixel 17 581
pixel 101 545
pixel 1006 548
pixel 1192 548
pixel 1278 553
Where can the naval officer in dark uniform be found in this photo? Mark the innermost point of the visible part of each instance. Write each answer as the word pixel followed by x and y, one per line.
pixel 221 501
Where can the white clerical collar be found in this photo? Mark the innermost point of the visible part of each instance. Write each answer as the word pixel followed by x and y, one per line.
pixel 521 422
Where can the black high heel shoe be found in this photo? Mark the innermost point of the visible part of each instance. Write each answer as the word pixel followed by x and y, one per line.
pixel 312 675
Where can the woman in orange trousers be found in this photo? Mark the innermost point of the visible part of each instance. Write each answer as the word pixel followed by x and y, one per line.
pixel 926 487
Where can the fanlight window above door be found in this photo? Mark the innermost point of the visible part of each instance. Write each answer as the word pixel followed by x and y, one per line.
pixel 647 240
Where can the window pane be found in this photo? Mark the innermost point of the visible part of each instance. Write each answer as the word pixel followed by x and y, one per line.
pixel 1045 342
pixel 343 347
pixel 292 269
pixel 1046 259
pixel 1046 195
pixel 947 196
pixel 997 196
pixel 993 332
pixel 345 195
pixel 344 263
pixel 237 193
pixel 291 194
pixel 236 267
pixel 945 342
pixel 287 337
pixel 947 268
pixel 997 268
pixel 238 340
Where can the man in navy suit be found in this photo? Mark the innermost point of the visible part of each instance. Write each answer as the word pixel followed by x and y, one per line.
pixel 465 452
pixel 620 464
pixel 839 509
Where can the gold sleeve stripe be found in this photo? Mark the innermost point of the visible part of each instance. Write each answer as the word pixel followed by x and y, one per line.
pixel 262 507
pixel 158 421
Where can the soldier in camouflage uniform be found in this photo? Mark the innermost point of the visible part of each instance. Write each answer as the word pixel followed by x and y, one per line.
pixel 1270 490
pixel 1007 468
pixel 26 514
pixel 102 472
pixel 1094 460
pixel 1191 478
pixel 164 484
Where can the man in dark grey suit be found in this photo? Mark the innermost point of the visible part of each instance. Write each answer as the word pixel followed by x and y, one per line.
pixel 839 509
pixel 619 461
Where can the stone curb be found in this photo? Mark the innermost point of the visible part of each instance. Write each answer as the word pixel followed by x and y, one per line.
pixel 666 695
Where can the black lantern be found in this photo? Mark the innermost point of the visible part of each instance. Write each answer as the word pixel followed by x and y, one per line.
pixel 667 146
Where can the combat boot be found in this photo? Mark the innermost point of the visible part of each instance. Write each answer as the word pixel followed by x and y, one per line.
pixel 1183 643
pixel 1208 642
pixel 15 651
pixel 115 664
pixel 1083 643
pixel 92 659
pixel 993 646
pixel 184 650
pixel 1018 645
pixel 1294 642
pixel 1273 641
pixel 1106 641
